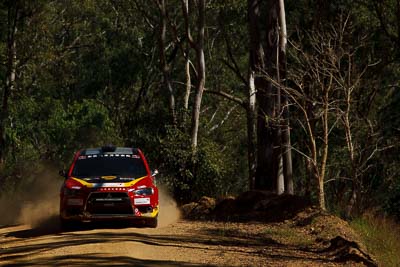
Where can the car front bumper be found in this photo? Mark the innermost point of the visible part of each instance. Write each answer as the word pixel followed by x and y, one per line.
pixel 86 216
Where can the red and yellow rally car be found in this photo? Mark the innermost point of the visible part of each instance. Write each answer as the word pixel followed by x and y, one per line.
pixel 109 183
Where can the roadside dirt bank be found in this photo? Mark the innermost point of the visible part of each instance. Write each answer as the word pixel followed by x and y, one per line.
pixel 302 236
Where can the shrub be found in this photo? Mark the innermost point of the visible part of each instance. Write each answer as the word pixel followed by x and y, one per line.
pixel 392 205
pixel 191 176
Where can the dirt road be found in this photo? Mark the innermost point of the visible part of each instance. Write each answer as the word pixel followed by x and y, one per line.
pixel 180 243
pixel 30 236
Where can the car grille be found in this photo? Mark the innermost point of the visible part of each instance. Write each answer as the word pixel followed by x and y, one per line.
pixel 109 203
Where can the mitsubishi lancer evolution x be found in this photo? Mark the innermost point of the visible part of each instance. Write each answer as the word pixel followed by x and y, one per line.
pixel 109 183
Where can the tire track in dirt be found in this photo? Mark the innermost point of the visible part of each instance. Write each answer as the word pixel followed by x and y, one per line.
pixel 30 236
pixel 182 243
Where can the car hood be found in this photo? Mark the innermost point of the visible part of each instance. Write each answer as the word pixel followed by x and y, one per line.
pixel 108 181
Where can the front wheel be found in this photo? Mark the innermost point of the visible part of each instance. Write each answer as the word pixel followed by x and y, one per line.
pixel 66 225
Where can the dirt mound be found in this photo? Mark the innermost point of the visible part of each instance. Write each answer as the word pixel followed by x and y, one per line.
pixel 249 206
pixel 343 250
pixel 330 235
pixel 324 226
pixel 339 241
pixel 199 210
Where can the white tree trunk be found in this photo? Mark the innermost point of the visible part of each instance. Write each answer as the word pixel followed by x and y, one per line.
pixel 280 183
pixel 252 130
pixel 286 144
pixel 201 69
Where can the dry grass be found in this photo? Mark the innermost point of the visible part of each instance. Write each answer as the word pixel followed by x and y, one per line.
pixel 382 238
pixel 286 234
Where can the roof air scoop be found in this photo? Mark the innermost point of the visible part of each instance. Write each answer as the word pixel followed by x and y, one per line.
pixel 108 148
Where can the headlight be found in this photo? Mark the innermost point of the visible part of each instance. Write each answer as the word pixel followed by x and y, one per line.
pixel 70 192
pixel 144 191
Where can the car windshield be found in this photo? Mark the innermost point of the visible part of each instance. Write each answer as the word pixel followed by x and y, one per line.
pixel 109 166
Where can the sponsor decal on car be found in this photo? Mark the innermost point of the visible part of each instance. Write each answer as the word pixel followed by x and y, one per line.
pixel 141 201
pixel 99 185
pixel 109 183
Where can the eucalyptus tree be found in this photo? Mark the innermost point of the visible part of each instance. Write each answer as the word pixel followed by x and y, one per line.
pixel 19 19
pixel 267 64
pixel 198 46
pixel 12 19
pixel 164 66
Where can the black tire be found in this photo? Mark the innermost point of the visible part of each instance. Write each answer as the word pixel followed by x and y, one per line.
pixel 152 223
pixel 66 225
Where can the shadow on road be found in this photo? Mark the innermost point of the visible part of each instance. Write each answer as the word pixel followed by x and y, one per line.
pixel 48 237
pixel 101 260
pixel 49 226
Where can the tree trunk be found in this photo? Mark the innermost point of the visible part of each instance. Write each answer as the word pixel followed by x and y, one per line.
pixel 268 97
pixel 257 67
pixel 13 11
pixel 201 69
pixel 251 131
pixel 286 146
pixel 280 181
pixel 185 7
pixel 355 189
pixel 266 174
pixel 325 147
pixel 287 152
pixel 164 66
pixel 264 62
pixel 188 81
pixel 321 193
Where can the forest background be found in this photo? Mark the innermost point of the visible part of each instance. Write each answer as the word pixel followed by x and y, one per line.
pixel 183 81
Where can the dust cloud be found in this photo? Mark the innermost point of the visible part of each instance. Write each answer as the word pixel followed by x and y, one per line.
pixel 169 212
pixel 35 201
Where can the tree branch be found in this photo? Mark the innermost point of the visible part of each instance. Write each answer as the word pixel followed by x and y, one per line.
pixel 228 96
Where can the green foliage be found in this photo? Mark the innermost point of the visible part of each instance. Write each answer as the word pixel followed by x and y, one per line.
pixel 191 176
pixel 392 203
pixel 390 113
pixel 88 74
pixel 46 129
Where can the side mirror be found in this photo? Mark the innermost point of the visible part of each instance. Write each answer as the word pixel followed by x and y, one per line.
pixel 153 176
pixel 63 173
pixel 154 173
